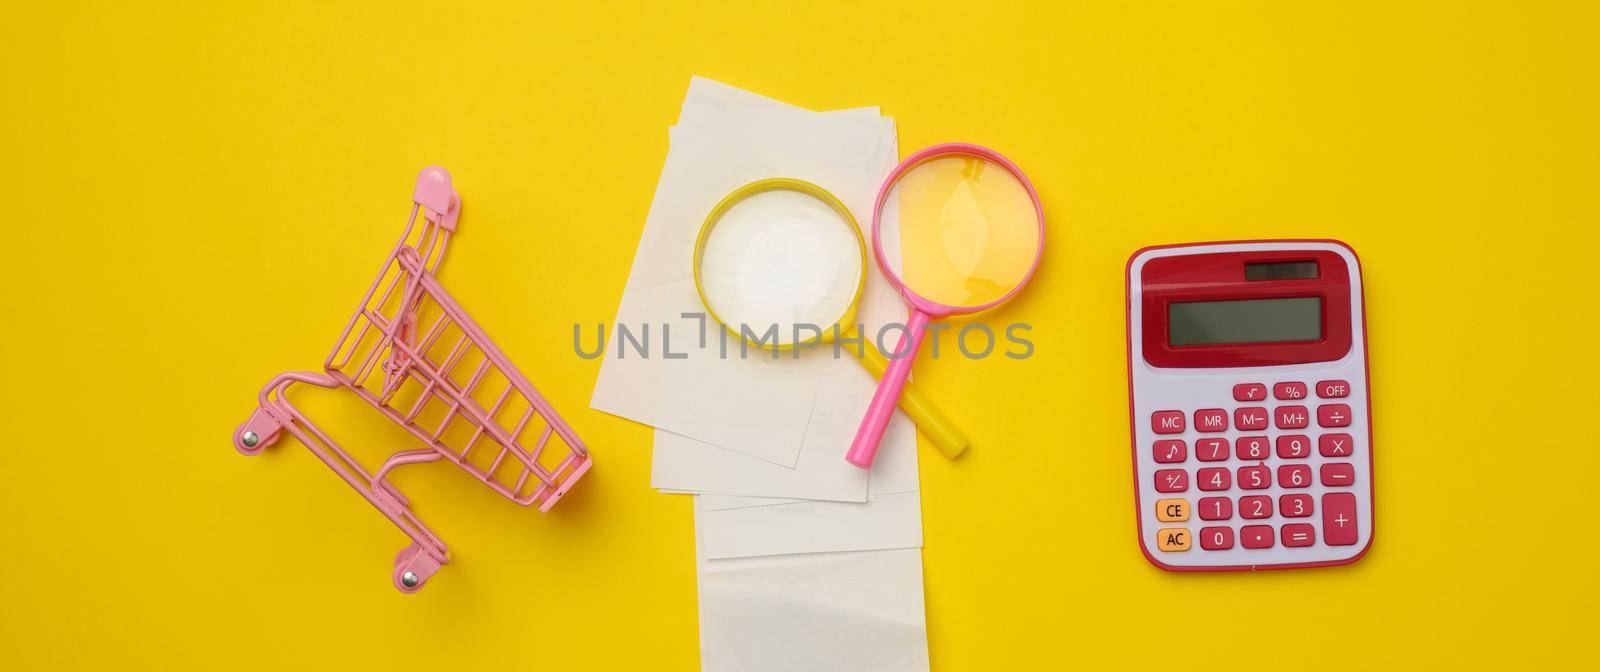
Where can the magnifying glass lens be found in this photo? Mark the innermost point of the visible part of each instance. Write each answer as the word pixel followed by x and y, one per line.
pixel 959 230
pixel 778 259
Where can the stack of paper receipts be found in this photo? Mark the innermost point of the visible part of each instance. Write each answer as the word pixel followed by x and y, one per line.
pixel 804 561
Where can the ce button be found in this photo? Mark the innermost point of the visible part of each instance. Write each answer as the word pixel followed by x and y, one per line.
pixel 1172 510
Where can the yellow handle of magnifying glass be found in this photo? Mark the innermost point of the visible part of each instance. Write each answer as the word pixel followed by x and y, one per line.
pixel 928 419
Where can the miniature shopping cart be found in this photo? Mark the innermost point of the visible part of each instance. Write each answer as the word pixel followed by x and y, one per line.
pixel 415 355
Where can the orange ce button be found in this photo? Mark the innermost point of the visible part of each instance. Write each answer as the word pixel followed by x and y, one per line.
pixel 1172 510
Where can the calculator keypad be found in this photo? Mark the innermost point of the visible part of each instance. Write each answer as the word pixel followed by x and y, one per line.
pixel 1282 449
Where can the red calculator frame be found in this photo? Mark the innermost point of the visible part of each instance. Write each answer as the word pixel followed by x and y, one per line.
pixel 1219 276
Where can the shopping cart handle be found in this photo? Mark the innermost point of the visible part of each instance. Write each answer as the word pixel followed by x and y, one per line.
pixel 436 196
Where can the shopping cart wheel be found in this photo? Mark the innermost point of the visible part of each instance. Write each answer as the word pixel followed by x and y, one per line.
pixel 412 567
pixel 260 431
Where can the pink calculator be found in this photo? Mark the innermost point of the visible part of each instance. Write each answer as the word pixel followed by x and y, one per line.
pixel 1251 418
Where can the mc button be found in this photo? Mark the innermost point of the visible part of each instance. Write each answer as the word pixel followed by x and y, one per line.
pixel 1167 422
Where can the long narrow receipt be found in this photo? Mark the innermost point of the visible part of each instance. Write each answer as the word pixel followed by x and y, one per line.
pixel 817 612
pixel 727 397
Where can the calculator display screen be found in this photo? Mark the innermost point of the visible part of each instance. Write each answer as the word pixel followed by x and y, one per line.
pixel 1244 321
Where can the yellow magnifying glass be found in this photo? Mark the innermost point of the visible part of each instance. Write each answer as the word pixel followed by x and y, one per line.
pixel 785 261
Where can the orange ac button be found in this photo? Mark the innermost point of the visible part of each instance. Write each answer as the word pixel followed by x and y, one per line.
pixel 1173 539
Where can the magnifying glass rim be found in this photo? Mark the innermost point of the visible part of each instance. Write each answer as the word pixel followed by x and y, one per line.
pixel 930 306
pixel 782 184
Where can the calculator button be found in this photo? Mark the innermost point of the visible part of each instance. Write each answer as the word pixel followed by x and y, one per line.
pixel 1216 538
pixel 1173 539
pixel 1255 478
pixel 1172 510
pixel 1294 446
pixel 1338 474
pixel 1250 419
pixel 1211 420
pixel 1333 389
pixel 1249 392
pixel 1172 480
pixel 1299 535
pixel 1255 506
pixel 1335 445
pixel 1171 451
pixel 1289 391
pixel 1215 508
pixel 1167 422
pixel 1211 450
pixel 1255 536
pixel 1339 519
pixel 1251 447
pixel 1292 417
pixel 1333 415
pixel 1295 506
pixel 1294 476
pixel 1216 478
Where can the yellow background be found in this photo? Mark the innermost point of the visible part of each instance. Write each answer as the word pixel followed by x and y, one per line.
pixel 195 197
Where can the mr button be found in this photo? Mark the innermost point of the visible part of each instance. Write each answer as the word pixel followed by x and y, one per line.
pixel 1173 539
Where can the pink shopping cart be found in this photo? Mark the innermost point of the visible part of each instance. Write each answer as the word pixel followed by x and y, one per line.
pixel 416 356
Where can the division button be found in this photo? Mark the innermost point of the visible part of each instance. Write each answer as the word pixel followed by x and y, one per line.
pixel 1333 415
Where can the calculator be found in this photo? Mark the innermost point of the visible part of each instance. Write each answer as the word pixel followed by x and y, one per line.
pixel 1251 418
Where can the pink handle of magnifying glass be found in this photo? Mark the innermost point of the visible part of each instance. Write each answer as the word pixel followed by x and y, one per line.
pixel 865 445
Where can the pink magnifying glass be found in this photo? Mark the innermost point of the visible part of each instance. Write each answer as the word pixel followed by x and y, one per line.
pixel 957 229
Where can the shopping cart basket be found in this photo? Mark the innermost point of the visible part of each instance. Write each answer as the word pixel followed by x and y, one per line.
pixel 416 356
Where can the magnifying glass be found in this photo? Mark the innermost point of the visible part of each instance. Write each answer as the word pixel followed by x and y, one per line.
pixel 780 263
pixel 957 229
